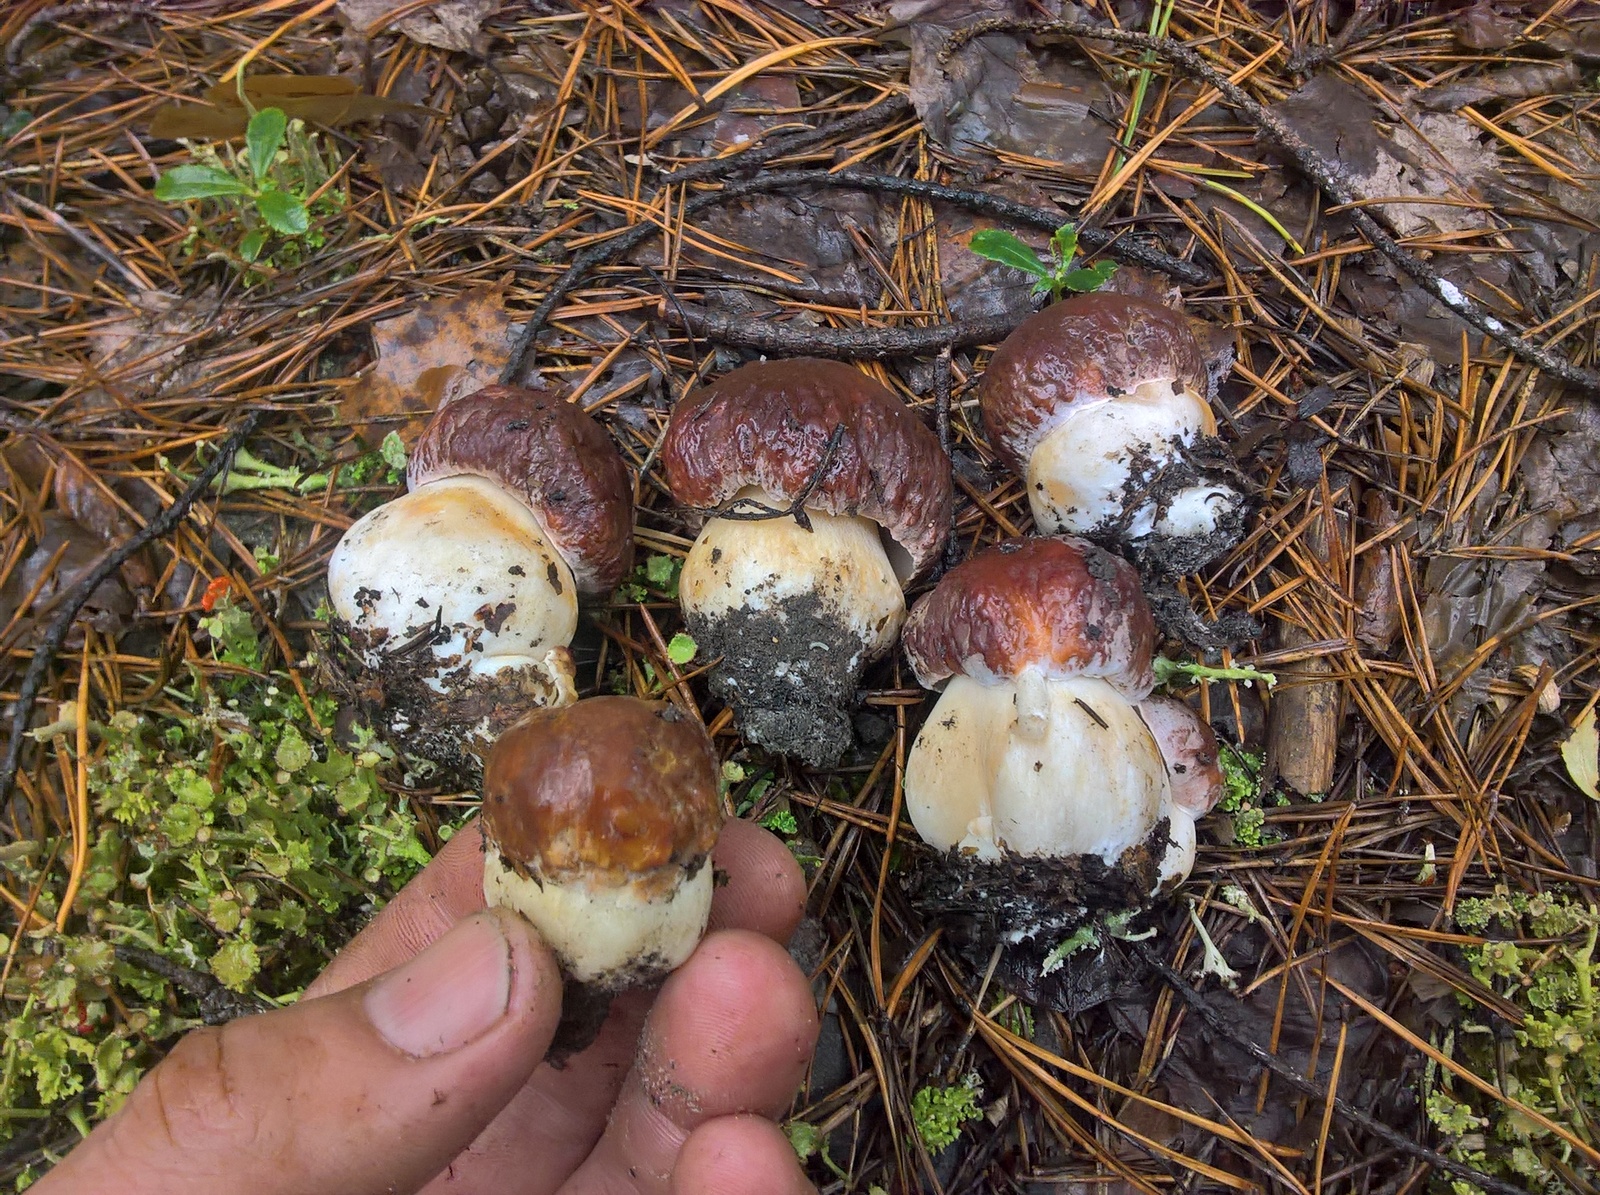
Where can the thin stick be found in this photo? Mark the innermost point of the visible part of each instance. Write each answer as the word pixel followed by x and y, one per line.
pixel 979 201
pixel 56 635
pixel 879 113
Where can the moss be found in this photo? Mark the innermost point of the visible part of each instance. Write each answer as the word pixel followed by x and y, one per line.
pixel 234 838
pixel 939 1112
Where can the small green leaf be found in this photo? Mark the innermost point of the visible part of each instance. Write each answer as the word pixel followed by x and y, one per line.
pixel 284 212
pixel 781 821
pixel 1064 244
pixel 681 648
pixel 14 123
pixel 998 245
pixel 1089 277
pixel 1581 753
pixel 236 963
pixel 263 136
pixel 194 181
pixel 250 248
pixel 393 451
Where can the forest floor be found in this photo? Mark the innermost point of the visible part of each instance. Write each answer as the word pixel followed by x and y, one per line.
pixel 1388 210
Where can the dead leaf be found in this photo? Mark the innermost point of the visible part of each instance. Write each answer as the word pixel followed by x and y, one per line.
pixel 1581 754
pixel 999 93
pixel 448 24
pixel 436 352
pixel 330 100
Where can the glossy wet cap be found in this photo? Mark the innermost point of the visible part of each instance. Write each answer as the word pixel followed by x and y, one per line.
pixel 768 425
pixel 1056 603
pixel 610 789
pixel 552 456
pixel 1079 352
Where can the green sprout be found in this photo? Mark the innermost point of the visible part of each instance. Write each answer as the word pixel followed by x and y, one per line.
pixel 275 188
pixel 1173 672
pixel 939 1112
pixel 1054 277
pixel 659 573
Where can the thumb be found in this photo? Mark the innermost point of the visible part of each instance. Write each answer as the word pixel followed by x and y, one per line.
pixel 373 1089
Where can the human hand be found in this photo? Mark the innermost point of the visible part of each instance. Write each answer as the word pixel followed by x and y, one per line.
pixel 415 1062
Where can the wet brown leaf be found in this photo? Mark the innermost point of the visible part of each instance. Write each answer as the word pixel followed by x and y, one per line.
pixel 330 100
pixel 999 93
pixel 438 351
pixel 448 24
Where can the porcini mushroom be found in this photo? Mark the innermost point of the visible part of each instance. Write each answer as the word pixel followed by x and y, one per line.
pixel 598 823
pixel 1194 771
pixel 456 602
pixel 1035 773
pixel 1100 403
pixel 798 605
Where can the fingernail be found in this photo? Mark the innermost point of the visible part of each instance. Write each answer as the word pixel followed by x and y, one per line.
pixel 451 994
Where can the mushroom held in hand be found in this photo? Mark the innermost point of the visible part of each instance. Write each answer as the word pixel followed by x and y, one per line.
pixel 598 824
pixel 1035 771
pixel 458 599
pixel 1099 402
pixel 797 605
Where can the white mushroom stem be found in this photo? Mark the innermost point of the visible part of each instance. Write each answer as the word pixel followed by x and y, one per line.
pixel 611 935
pixel 465 555
pixel 1035 766
pixel 758 565
pixel 1077 475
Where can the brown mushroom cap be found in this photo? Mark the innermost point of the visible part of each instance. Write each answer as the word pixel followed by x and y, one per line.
pixel 552 456
pixel 609 789
pixel 768 424
pixel 1082 351
pixel 1057 603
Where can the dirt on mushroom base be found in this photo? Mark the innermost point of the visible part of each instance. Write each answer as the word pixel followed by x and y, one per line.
pixel 1155 483
pixel 789 672
pixel 442 736
pixel 1030 906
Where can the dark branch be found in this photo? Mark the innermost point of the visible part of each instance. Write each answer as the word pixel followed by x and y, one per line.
pixel 983 202
pixel 218 1004
pixel 780 339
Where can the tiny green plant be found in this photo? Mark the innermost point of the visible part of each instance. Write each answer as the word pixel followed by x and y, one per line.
pixel 1054 277
pixel 276 187
pixel 1539 952
pixel 1243 794
pixel 939 1112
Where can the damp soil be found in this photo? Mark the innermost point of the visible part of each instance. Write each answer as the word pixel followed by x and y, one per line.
pixel 443 736
pixel 789 673
pixel 1028 907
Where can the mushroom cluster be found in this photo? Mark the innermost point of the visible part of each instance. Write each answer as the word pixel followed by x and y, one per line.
pixel 825 496
pixel 1100 403
pixel 598 824
pixel 455 603
pixel 1056 788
